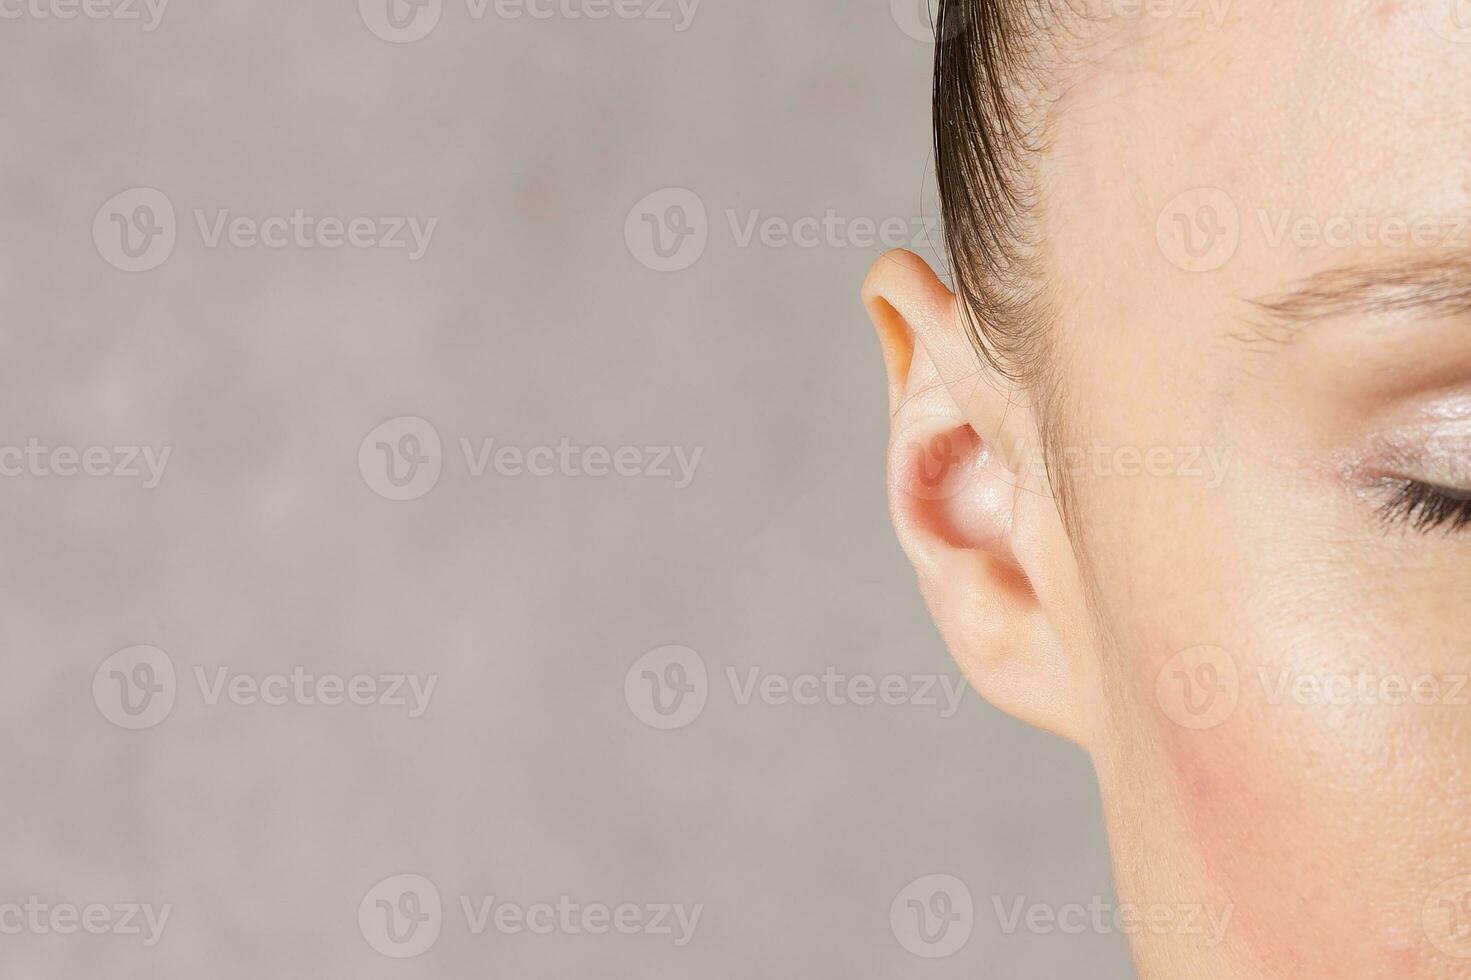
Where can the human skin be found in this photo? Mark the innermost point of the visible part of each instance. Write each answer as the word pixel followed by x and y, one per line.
pixel 1333 823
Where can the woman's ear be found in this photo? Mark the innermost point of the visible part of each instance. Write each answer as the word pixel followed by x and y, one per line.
pixel 970 500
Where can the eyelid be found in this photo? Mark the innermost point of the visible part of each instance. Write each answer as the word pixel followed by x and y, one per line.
pixel 1436 453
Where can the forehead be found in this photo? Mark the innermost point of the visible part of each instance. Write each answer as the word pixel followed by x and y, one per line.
pixel 1291 104
pixel 1208 154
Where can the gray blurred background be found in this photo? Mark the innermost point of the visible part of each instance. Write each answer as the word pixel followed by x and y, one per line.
pixel 535 316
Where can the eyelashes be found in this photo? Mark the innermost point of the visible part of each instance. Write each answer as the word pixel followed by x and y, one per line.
pixel 1424 507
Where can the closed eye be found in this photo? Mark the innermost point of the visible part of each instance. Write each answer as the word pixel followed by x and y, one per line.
pixel 1424 507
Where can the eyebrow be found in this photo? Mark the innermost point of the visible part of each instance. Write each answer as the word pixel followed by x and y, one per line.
pixel 1436 286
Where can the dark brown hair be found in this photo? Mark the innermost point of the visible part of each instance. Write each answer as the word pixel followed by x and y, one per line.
pixel 990 74
pixel 998 64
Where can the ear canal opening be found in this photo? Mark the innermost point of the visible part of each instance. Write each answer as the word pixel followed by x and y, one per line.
pixel 939 465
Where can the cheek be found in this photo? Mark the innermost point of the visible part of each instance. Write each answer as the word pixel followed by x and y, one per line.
pixel 1325 825
pixel 1279 861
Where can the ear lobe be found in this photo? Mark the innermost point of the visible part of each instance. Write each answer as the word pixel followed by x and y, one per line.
pixel 963 502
